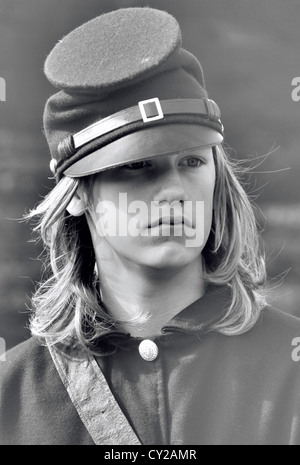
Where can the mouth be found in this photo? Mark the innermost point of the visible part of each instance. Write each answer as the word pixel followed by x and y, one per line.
pixel 171 221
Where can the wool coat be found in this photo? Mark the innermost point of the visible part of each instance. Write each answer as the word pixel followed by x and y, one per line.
pixel 203 388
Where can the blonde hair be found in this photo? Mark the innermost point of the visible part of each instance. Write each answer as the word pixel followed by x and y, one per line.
pixel 233 252
pixel 67 306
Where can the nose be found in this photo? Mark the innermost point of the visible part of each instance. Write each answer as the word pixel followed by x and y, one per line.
pixel 170 187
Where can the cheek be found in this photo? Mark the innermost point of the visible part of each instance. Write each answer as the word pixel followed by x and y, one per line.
pixel 119 217
pixel 209 197
pixel 205 193
pixel 209 183
pixel 203 187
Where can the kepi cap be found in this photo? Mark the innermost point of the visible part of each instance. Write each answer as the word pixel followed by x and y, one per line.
pixel 127 91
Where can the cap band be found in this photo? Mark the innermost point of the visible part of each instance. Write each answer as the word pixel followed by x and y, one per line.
pixel 145 111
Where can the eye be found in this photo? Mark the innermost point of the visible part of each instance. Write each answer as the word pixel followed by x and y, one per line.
pixel 192 162
pixel 137 165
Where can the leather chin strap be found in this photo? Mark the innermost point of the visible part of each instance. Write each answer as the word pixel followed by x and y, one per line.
pixel 145 112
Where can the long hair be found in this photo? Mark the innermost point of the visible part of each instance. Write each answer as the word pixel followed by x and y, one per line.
pixel 66 305
pixel 233 253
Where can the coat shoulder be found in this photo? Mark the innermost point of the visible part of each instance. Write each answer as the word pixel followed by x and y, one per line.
pixel 272 338
pixel 278 321
pixel 23 357
pixel 35 408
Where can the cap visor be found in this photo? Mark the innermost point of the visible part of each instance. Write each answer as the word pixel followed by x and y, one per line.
pixel 145 144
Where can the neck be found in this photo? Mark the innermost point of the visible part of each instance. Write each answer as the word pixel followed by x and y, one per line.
pixel 145 299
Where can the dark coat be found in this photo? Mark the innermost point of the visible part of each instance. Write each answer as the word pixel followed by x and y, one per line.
pixel 203 388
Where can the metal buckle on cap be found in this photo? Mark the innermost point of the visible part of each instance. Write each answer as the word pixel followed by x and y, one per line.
pixel 146 118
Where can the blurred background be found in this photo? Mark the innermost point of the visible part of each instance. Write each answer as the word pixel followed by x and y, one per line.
pixel 250 52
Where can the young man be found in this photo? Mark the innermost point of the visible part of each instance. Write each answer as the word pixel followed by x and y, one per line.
pixel 151 326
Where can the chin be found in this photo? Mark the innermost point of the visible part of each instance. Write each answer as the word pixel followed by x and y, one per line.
pixel 170 255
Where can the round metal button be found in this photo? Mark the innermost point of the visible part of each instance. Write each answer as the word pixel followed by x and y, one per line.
pixel 148 350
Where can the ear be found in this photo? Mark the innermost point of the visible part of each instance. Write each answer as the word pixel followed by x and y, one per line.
pixel 77 206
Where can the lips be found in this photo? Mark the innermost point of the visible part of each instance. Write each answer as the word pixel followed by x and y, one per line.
pixel 171 220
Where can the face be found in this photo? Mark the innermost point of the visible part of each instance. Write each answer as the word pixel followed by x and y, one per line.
pixel 154 213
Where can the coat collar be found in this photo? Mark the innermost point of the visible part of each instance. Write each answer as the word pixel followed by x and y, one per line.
pixel 203 313
pixel 196 318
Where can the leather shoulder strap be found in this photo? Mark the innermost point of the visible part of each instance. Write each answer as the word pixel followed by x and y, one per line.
pixel 92 397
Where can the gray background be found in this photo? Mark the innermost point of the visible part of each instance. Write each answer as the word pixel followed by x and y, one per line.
pixel 249 50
